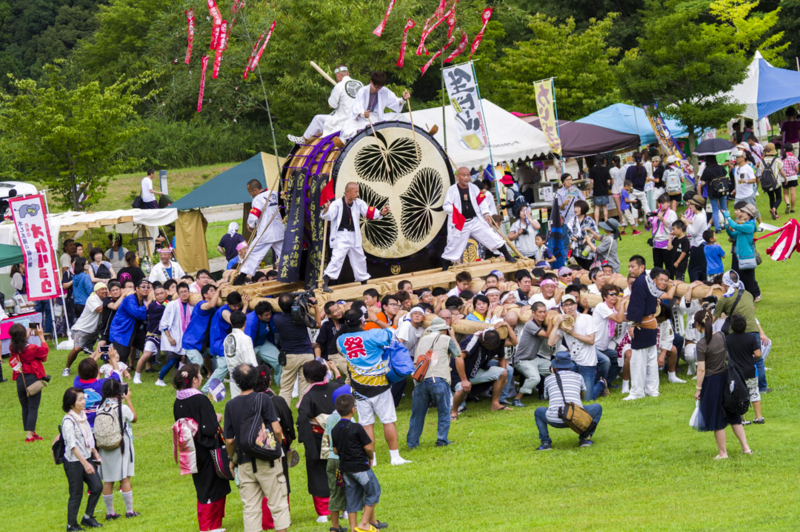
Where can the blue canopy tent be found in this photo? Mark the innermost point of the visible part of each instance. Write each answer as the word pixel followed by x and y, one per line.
pixel 632 120
pixel 766 89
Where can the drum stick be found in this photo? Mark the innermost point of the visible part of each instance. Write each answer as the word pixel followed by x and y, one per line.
pixel 413 131
pixel 324 74
pixel 383 154
pixel 510 244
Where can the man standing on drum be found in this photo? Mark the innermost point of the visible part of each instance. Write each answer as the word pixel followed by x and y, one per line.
pixel 468 208
pixel 341 101
pixel 264 214
pixel 370 103
pixel 345 214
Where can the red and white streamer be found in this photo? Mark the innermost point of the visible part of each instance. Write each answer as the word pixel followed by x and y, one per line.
pixel 215 35
pixel 427 65
pixel 440 10
pixel 428 31
pixel 459 49
pixel 222 45
pixel 202 84
pixel 249 65
pixel 214 11
pixel 410 24
pixel 379 30
pixel 487 14
pixel 257 58
pixel 189 35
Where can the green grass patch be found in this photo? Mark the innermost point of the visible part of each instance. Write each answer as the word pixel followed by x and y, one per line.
pixel 647 471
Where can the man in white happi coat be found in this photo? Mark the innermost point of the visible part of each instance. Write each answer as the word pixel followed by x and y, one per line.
pixel 370 103
pixel 264 214
pixel 469 216
pixel 341 101
pixel 345 214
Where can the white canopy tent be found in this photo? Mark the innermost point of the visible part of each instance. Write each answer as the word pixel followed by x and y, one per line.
pixel 512 139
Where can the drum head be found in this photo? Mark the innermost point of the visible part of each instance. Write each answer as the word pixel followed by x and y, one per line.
pixel 388 172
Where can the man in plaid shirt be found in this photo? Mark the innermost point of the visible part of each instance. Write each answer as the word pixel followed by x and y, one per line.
pixel 790 165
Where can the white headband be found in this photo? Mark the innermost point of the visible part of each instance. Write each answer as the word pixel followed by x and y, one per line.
pixel 339 69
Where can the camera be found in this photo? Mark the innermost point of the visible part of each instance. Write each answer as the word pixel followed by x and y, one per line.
pixel 300 305
pixel 124 388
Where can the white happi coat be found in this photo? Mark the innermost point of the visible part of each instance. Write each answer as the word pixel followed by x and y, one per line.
pixel 171 321
pixel 159 273
pixel 341 100
pixel 476 228
pixel 270 230
pixel 357 122
pixel 345 243
pixel 238 350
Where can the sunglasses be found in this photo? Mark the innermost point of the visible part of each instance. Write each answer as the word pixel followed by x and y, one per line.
pixel 613 294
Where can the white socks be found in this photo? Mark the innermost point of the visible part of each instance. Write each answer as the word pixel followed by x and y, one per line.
pixel 626 386
pixel 674 378
pixel 128 498
pixel 137 378
pixel 396 458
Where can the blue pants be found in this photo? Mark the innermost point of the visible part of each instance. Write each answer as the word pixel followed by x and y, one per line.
pixel 593 386
pixel 717 204
pixel 760 369
pixel 595 410
pixel 47 317
pixel 438 391
pixel 268 354
pixel 607 366
pixel 171 363
pixel 509 392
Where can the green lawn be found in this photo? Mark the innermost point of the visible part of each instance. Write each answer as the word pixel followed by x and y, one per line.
pixel 647 471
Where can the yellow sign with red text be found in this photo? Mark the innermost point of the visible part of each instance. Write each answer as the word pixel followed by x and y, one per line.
pixel 545 106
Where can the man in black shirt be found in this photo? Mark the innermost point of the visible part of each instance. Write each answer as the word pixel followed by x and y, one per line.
pixel 257 478
pixel 325 346
pixel 472 367
pixel 295 343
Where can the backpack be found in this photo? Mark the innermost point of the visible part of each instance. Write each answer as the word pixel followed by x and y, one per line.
pixel 769 181
pixel 721 186
pixel 673 179
pixel 258 439
pixel 58 448
pixel 108 427
pixel 400 363
pixel 736 397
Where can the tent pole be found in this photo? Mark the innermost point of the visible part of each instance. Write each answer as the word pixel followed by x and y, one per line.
pixel 266 100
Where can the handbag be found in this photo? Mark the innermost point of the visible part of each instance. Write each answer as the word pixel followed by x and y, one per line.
pixel 748 264
pixel 694 421
pixel 34 388
pixel 573 415
pixel 220 458
pixel 759 260
pixel 726 325
pixel 399 362
pixel 423 363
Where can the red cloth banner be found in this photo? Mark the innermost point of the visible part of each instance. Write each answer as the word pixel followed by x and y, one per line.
pixel 487 14
pixel 257 58
pixel 459 49
pixel 410 24
pixel 33 232
pixel 214 11
pixel 428 31
pixel 435 56
pixel 215 36
pixel 249 65
pixel 222 45
pixel 189 35
pixel 327 194
pixel 202 84
pixel 458 219
pixel 379 30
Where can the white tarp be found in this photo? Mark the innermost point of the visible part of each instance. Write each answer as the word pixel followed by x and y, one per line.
pixel 511 139
pixel 766 89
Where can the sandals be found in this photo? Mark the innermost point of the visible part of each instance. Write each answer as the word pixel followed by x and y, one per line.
pixel 453 417
pixel 340 529
pixel 503 407
pixel 748 452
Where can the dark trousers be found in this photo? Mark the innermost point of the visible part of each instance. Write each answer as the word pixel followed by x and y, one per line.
pixel 748 277
pixel 775 197
pixel 47 316
pixel 697 263
pixel 662 259
pixel 77 476
pixel 30 405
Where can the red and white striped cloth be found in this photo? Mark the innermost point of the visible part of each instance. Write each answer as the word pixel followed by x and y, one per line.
pixel 787 243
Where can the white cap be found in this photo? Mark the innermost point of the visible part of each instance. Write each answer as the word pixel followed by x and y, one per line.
pixel 672 159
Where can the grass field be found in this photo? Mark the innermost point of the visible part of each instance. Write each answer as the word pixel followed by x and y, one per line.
pixel 647 471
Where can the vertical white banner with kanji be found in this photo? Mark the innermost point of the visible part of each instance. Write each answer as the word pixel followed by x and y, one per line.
pixel 41 273
pixel 462 91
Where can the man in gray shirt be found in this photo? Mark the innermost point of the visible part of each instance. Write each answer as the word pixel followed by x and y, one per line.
pixel 533 354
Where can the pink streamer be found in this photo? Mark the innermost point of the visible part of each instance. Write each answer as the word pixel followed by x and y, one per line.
pixel 202 84
pixel 435 56
pixel 410 24
pixel 459 49
pixel 249 65
pixel 222 45
pixel 379 30
pixel 427 32
pixel 214 11
pixel 257 58
pixel 487 14
pixel 215 35
pixel 189 35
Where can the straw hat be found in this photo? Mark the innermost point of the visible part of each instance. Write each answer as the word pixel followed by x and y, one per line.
pixel 769 149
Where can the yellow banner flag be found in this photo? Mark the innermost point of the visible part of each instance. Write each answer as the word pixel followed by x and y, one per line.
pixel 545 105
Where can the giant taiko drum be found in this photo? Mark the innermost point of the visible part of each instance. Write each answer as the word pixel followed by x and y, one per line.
pixel 404 169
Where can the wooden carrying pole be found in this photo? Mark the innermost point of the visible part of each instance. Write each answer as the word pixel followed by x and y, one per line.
pixel 324 74
pixel 413 131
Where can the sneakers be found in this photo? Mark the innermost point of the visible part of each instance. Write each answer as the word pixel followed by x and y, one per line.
pixel 759 421
pixel 545 447
pixel 517 403
pixel 296 139
pixel 111 517
pixel 322 519
pixel 65 373
pixel 400 461
pixel 137 379
pixel 90 522
pixel 635 232
pixel 585 443
pixel 622 233
pixel 159 382
pixel 745 422
pixel 132 514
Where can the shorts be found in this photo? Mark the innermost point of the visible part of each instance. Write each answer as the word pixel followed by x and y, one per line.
pixel 790 184
pixel 675 197
pixel 484 375
pixel 84 340
pixel 752 387
pixel 381 405
pixel 152 344
pixel 338 499
pixel 362 489
pixel 601 200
